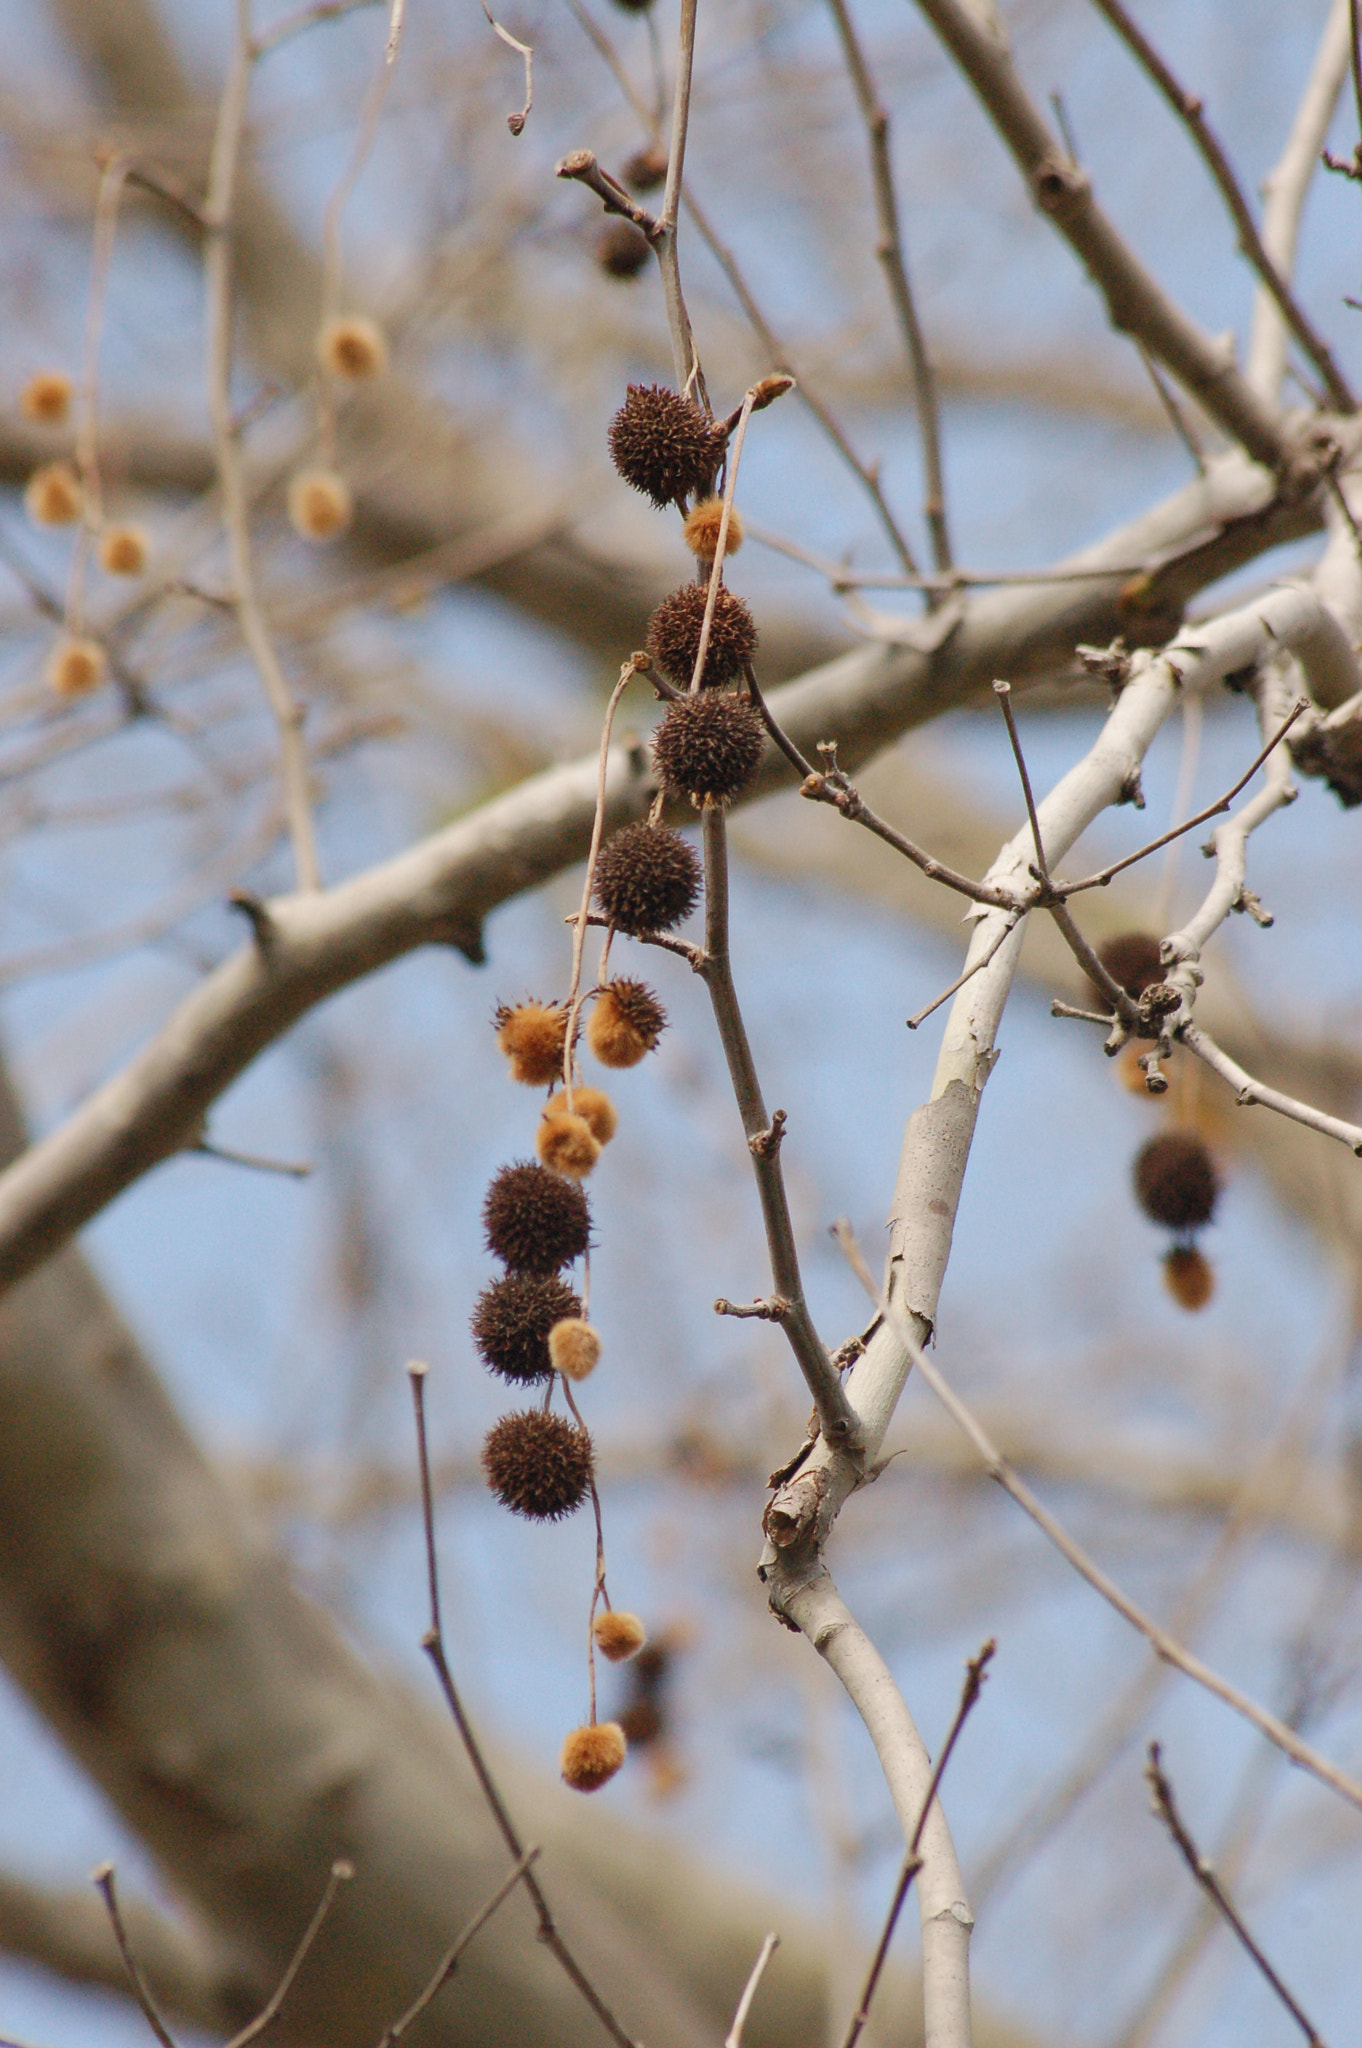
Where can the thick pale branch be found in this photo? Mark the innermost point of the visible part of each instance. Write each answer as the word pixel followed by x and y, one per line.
pixel 1136 304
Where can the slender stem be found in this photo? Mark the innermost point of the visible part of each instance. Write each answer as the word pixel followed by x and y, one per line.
pixel 889 249
pixel 104 1883
pixel 1165 1806
pixel 1247 1091
pixel 340 1874
pixel 1188 109
pixel 217 267
pixel 716 567
pixel 921 1016
pixel 833 788
pixel 684 359
pixel 1003 692
pixel 836 1417
pixel 433 1645
pixel 449 1962
pixel 1160 1641
pixel 1104 875
pixel 574 1005
pixel 733 2038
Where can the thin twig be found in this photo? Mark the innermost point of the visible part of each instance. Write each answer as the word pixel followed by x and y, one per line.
pixel 516 122
pixel 834 788
pixel 1189 111
pixel 1104 875
pixel 836 1417
pixel 889 249
pixel 716 567
pixel 103 1879
pixel 1247 1091
pixel 689 377
pixel 1165 1806
pixel 1177 418
pixel 574 1003
pixel 733 2038
pixel 341 1872
pixel 292 1169
pixel 1003 692
pixel 912 1862
pixel 1160 1641
pixel 449 1962
pixel 921 1016
pixel 433 1645
pixel 218 204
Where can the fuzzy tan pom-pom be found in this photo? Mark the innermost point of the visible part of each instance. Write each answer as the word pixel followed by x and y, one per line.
pixel 46 398
pixel 319 504
pixel 626 1023
pixel 53 496
pixel 352 347
pixel 701 530
pixel 709 746
pixel 537 1464
pixel 1188 1277
pixel 75 667
pixel 1176 1182
pixel 512 1319
pixel 619 1636
pixel 647 879
pixel 592 1755
pixel 574 1348
pixel 567 1144
pixel 662 444
pixel 593 1104
pixel 535 1221
pixel 533 1037
pixel 124 550
pixel 674 636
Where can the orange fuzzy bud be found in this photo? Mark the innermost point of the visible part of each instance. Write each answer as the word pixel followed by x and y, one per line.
pixel 319 504
pixel 626 1022
pixel 124 550
pixel 46 398
pixel 1188 1277
pixel 593 1104
pixel 592 1755
pixel 533 1037
pixel 352 347
pixel 567 1144
pixel 701 529
pixel 75 666
pixel 52 496
pixel 574 1348
pixel 618 1635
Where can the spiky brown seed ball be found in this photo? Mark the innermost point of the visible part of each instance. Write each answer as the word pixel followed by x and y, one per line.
pixel 701 530
pixel 537 1465
pixel 593 1104
pixel 534 1220
pixel 574 1348
pixel 592 1755
pixel 46 398
pixel 352 346
pixel 663 445
pixel 1175 1180
pixel 709 746
pixel 646 169
pixel 124 550
pixel 533 1037
pixel 52 495
pixel 1132 960
pixel 1188 1277
pixel 622 250
pixel 511 1322
pixel 647 879
pixel 626 1022
pixel 567 1144
pixel 619 1636
pixel 75 666
pixel 319 504
pixel 674 636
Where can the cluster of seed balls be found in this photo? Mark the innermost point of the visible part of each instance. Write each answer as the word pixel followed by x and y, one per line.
pixel 528 1323
pixel 1176 1180
pixel 709 745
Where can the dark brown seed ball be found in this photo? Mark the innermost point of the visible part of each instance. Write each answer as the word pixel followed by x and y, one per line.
pixel 535 1220
pixel 1132 960
pixel 663 445
pixel 674 636
pixel 1175 1181
pixel 647 879
pixel 626 1022
pixel 537 1464
pixel 709 746
pixel 622 249
pixel 646 169
pixel 512 1320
